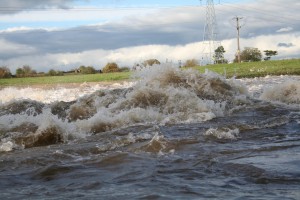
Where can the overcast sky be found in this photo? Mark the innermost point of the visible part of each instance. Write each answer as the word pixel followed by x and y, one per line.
pixel 64 34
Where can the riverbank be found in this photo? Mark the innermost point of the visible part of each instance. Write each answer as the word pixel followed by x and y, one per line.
pixel 238 70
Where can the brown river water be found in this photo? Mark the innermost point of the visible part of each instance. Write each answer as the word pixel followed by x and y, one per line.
pixel 171 135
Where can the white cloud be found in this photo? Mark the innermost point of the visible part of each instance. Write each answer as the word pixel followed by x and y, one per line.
pixel 285 29
pixel 129 55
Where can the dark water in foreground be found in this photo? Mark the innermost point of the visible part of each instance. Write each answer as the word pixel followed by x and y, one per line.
pixel 176 136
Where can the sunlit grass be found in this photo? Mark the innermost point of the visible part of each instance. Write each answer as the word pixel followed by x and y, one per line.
pixel 255 69
pixel 81 78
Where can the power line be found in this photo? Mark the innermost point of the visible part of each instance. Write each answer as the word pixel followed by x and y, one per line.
pixel 263 12
pixel 238 27
pixel 18 9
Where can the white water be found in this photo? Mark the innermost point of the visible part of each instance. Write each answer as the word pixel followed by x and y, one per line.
pixel 67 92
pixel 163 96
pixel 257 87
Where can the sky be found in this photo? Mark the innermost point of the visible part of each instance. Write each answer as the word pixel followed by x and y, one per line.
pixel 64 34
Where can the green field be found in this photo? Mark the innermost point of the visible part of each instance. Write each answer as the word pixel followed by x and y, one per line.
pixel 250 69
pixel 255 69
pixel 78 78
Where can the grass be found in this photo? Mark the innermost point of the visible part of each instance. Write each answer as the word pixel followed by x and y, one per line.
pixel 249 70
pixel 255 69
pixel 81 78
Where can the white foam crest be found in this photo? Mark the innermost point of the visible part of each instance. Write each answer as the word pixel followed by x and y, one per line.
pixel 43 121
pixel 49 94
pixel 257 85
pixel 224 133
pixel 6 146
pixel 163 95
pixel 287 92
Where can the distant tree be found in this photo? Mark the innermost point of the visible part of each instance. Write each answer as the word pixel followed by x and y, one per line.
pixel 124 69
pixel 151 62
pixel 191 63
pixel 111 67
pixel 4 72
pixel 25 71
pixel 250 54
pixel 219 55
pixel 87 70
pixel 269 54
pixel 20 72
pixel 52 72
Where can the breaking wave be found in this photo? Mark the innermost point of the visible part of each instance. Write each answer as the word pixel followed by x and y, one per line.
pixel 287 92
pixel 163 95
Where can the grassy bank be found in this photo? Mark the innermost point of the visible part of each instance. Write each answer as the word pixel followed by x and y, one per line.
pixel 252 69
pixel 255 69
pixel 81 78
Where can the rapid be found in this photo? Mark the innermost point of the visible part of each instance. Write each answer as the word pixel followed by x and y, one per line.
pixel 170 134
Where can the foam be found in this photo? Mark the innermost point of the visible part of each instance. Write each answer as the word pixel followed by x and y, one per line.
pixel 50 94
pixel 163 95
pixel 287 92
pixel 223 133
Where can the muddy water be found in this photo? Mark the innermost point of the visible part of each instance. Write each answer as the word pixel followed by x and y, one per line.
pixel 172 135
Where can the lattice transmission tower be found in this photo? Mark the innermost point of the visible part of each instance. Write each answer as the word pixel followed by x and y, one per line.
pixel 210 42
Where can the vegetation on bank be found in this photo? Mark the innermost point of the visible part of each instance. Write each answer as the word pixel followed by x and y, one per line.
pixel 238 70
pixel 73 78
pixel 255 69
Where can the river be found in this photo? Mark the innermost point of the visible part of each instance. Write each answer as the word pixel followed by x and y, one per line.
pixel 170 135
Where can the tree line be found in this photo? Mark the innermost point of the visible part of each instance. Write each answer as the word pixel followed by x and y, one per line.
pixel 249 54
pixel 27 71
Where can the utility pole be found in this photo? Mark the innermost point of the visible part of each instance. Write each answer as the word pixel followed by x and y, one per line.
pixel 238 27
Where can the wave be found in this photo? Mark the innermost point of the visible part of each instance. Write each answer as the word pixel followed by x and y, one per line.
pixel 287 92
pixel 163 95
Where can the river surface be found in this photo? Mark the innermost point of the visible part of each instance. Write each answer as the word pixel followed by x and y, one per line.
pixel 171 135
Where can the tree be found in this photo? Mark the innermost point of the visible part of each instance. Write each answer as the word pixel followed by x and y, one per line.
pixel 20 72
pixel 250 54
pixel 52 72
pixel 111 67
pixel 124 69
pixel 269 54
pixel 25 71
pixel 4 72
pixel 151 62
pixel 219 55
pixel 87 70
pixel 191 63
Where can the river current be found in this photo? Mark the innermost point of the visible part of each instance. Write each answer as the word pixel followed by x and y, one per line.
pixel 170 135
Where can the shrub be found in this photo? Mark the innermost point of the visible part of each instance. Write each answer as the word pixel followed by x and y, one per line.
pixel 111 67
pixel 151 62
pixel 87 70
pixel 4 72
pixel 191 63
pixel 124 69
pixel 52 72
pixel 25 71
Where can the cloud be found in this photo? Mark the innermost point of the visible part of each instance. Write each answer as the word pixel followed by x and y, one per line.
pixel 286 29
pixel 287 45
pixel 14 6
pixel 9 49
pixel 127 56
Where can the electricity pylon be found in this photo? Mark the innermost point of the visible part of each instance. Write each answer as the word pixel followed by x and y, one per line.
pixel 210 43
